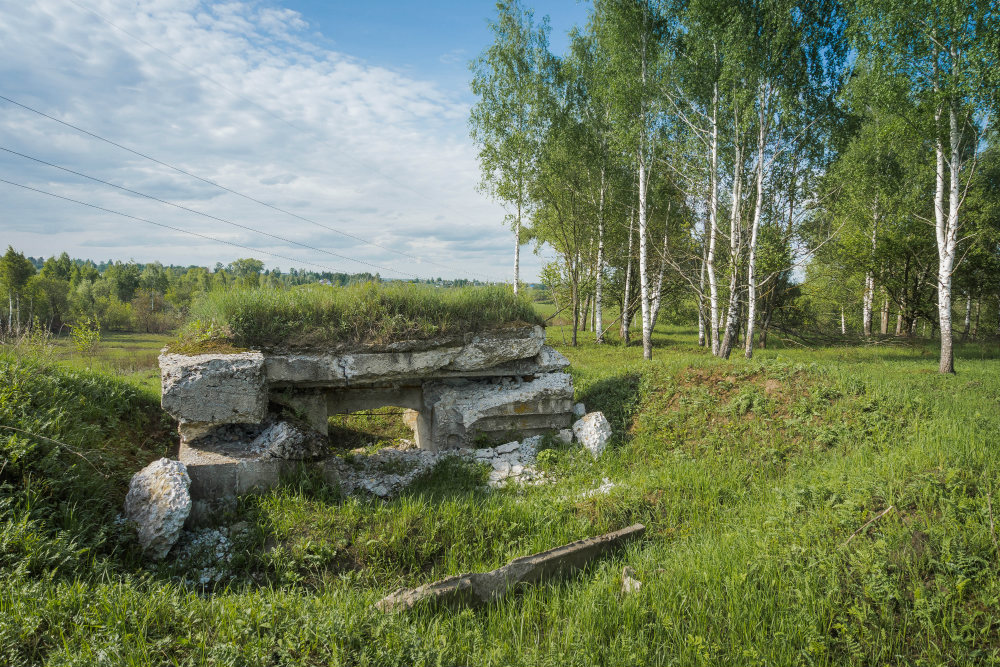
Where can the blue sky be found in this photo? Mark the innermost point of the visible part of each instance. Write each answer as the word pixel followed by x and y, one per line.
pixel 435 39
pixel 353 116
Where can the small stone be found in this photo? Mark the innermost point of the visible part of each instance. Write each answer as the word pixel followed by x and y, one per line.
pixel 629 583
pixel 508 448
pixel 516 469
pixel 502 467
pixel 565 436
pixel 579 410
pixel 159 502
pixel 593 431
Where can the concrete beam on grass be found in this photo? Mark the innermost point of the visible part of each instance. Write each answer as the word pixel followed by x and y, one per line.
pixel 479 588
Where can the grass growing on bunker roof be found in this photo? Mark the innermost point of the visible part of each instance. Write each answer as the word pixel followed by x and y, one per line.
pixel 376 313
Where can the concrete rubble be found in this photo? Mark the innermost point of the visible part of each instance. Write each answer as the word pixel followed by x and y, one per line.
pixel 593 431
pixel 158 503
pixel 629 583
pixel 478 588
pixel 248 419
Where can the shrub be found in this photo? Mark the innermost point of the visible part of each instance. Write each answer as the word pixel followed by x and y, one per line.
pixel 86 334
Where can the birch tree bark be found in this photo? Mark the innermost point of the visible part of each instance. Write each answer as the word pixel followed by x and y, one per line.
pixel 599 284
pixel 869 296
pixel 626 319
pixel 713 216
pixel 735 246
pixel 758 207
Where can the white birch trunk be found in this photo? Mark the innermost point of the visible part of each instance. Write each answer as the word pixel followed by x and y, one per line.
pixel 869 295
pixel 945 226
pixel 843 322
pixel 713 216
pixel 647 326
pixel 647 337
pixel 658 297
pixel 599 284
pixel 701 304
pixel 758 207
pixel 732 312
pixel 517 250
pixel 626 305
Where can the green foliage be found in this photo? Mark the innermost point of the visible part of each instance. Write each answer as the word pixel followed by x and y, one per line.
pixel 86 334
pixel 756 481
pixel 367 313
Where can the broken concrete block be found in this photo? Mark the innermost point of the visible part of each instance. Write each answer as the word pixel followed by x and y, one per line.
pixel 214 388
pixel 565 436
pixel 465 409
pixel 579 410
pixel 478 354
pixel 158 502
pixel 593 431
pixel 496 347
pixel 477 588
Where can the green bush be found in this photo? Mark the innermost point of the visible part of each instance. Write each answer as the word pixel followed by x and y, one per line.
pixel 86 335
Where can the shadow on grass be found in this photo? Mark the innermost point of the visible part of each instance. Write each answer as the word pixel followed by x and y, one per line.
pixel 617 397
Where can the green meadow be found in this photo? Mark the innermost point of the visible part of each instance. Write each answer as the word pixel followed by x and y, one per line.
pixel 832 506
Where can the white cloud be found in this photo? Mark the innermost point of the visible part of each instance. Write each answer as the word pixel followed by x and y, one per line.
pixel 361 148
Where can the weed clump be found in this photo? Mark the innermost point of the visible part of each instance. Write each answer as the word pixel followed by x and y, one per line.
pixel 328 316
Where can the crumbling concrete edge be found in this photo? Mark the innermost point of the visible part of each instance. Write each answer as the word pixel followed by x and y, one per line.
pixel 478 588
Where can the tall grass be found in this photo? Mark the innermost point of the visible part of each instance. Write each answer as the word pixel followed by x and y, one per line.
pixel 364 313
pixel 758 482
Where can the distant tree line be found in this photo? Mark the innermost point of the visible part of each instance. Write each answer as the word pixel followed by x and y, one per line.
pixel 127 296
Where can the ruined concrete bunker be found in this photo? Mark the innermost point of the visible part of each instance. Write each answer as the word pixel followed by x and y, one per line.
pixel 458 392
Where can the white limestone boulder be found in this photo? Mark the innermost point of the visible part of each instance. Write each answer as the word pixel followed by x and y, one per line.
pixel 593 431
pixel 214 388
pixel 159 502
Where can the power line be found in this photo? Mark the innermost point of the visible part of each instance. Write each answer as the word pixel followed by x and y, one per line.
pixel 165 226
pixel 270 113
pixel 222 187
pixel 207 215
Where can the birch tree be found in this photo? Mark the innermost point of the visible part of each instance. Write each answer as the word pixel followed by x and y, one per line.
pixel 942 50
pixel 506 122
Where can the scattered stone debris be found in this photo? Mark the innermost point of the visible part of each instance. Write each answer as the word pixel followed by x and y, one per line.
pixel 629 583
pixel 513 462
pixel 579 410
pixel 386 472
pixel 158 502
pixel 285 440
pixel 207 553
pixel 391 469
pixel 477 588
pixel 593 431
pixel 604 488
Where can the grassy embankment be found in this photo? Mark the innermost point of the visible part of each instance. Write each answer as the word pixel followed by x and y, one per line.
pixel 376 313
pixel 756 481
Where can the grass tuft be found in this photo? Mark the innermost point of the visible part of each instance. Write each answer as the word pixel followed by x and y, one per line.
pixel 328 316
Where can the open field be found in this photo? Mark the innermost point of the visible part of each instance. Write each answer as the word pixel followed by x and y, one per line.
pixel 757 482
